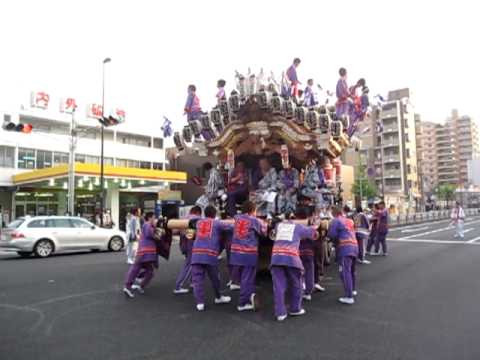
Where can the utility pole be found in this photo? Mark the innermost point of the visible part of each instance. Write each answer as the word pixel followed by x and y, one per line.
pixel 102 178
pixel 71 165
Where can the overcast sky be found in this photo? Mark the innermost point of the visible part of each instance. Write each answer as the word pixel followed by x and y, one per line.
pixel 159 47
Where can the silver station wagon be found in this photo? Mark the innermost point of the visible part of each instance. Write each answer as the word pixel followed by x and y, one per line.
pixel 45 235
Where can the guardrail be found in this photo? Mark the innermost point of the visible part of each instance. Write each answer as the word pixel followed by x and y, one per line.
pixel 419 217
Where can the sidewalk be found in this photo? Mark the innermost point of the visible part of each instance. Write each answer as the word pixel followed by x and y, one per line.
pixel 418 218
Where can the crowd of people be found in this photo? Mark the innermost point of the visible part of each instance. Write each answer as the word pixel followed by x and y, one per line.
pixel 274 192
pixel 352 101
pixel 294 264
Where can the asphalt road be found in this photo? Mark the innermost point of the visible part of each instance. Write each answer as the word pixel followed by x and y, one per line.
pixel 420 302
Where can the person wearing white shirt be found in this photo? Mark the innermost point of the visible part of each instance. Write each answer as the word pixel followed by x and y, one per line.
pixel 458 218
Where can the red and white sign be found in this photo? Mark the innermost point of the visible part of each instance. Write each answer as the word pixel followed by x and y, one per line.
pixel 94 111
pixel 120 115
pixel 39 99
pixel 68 105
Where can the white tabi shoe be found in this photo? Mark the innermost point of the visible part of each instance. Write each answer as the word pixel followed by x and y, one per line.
pixel 181 291
pixel 229 283
pixel 128 292
pixel 347 301
pixel 200 307
pixel 223 300
pixel 281 317
pixel 366 262
pixel 298 313
pixel 319 287
pixel 246 307
pixel 354 292
pixel 138 288
pixel 307 297
pixel 234 287
pixel 385 254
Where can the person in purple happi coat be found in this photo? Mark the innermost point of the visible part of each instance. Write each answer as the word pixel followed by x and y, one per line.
pixel 310 98
pixel 343 105
pixel 186 244
pixel 192 107
pixel 244 252
pixel 293 78
pixel 286 267
pixel 307 255
pixel 342 232
pixel 146 259
pixel 206 249
pixel 372 237
pixel 382 229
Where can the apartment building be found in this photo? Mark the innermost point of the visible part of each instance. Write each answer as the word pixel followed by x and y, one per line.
pixel 426 155
pixel 445 150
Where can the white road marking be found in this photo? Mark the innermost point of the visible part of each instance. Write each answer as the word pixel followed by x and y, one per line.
pixel 416 229
pixel 440 230
pixel 473 240
pixel 428 241
pixel 429 222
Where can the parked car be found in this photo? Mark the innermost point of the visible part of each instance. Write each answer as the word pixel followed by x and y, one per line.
pixel 45 235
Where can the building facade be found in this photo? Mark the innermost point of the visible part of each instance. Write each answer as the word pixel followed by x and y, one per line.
pixel 33 179
pixel 445 150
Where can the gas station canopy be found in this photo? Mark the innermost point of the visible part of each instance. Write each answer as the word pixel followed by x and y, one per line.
pixel 88 177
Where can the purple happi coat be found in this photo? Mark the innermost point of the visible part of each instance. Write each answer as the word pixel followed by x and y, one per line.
pixel 206 246
pixel 382 222
pixel 285 250
pixel 343 93
pixel 147 248
pixel 244 248
pixel 342 232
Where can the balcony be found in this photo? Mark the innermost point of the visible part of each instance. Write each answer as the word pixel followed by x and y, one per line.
pixel 390 129
pixel 393 188
pixel 391 159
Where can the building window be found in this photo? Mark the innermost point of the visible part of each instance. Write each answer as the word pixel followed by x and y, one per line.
pixel 408 153
pixel 409 169
pixel 145 165
pixel 158 143
pixel 133 164
pixel 108 161
pixel 121 162
pixel 7 157
pixel 60 158
pixel 80 158
pixel 44 159
pixel 157 166
pixel 26 158
pixel 89 159
pixel 406 138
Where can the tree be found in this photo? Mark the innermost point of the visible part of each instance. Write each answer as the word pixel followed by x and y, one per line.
pixel 446 192
pixel 362 188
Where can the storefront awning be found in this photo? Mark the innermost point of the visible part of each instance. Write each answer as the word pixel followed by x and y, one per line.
pixel 91 171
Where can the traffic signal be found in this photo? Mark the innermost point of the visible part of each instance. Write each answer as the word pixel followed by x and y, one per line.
pixel 115 118
pixel 8 125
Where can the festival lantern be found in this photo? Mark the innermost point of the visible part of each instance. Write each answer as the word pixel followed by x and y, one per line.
pixel 178 141
pixel 262 99
pixel 324 123
pixel 288 109
pixel 345 120
pixel 216 117
pixel 225 111
pixel 276 104
pixel 196 128
pixel 311 120
pixel 187 133
pixel 252 84
pixel 300 115
pixel 336 129
pixel 234 102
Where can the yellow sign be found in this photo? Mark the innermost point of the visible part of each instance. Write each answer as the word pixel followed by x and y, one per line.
pixel 170 195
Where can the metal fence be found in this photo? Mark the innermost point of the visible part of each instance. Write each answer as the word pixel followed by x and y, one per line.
pixel 419 217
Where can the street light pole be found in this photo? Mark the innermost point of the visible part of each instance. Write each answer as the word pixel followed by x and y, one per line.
pixel 71 167
pixel 102 179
